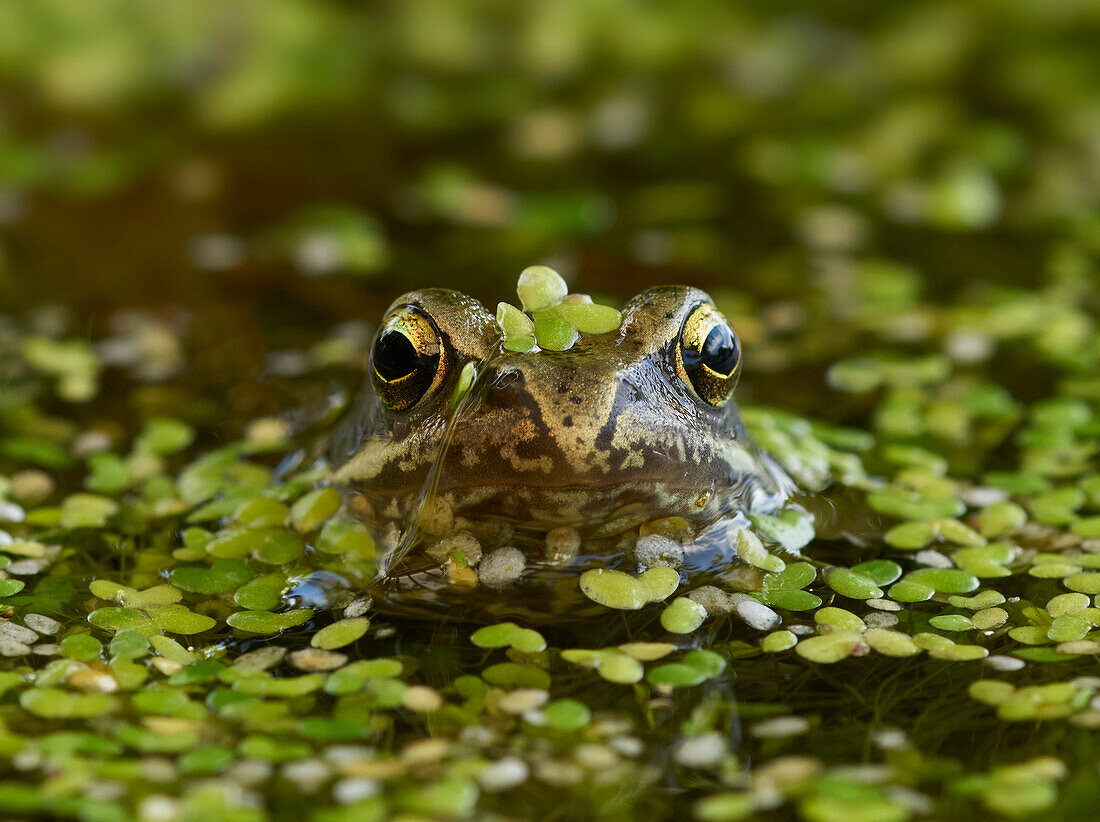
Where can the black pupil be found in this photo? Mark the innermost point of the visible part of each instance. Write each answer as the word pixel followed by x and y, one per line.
pixel 720 351
pixel 395 356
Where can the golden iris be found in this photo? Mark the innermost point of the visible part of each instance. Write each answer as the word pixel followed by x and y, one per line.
pixel 709 355
pixel 407 360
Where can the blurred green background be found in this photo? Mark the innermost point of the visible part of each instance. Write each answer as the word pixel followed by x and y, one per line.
pixel 274 157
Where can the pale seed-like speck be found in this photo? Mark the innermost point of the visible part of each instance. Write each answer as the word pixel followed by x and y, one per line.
pixel 422 699
pixel 17 633
pixel 42 624
pixel 92 681
pixel 880 619
pixel 654 550
pixel 358 606
pixel 703 751
pixel 559 773
pixel 168 667
pixel 159 808
pixel 504 774
pixel 250 772
pixel 349 791
pixel 308 775
pixel 890 739
pixel 933 559
pixel 462 542
pixel 31 487
pixel 28 567
pixel 780 726
pixel 261 659
pixel 426 750
pixel 267 430
pixel 715 600
pixel 12 647
pixel 1000 662
pixel 981 496
pixel 522 700
pixel 1079 647
pixel 477 736
pixel 92 442
pixel 884 604
pixel 755 614
pixel 501 567
pixel 562 544
pixel 596 757
pixel 316 659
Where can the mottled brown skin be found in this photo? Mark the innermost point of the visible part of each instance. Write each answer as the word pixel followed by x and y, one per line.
pixel 608 428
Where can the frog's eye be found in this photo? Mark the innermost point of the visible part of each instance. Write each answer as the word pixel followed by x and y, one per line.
pixel 709 355
pixel 407 360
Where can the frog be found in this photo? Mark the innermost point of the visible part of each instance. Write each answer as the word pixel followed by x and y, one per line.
pixel 638 425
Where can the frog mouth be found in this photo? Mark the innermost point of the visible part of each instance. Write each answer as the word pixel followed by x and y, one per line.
pixel 592 504
pixel 579 501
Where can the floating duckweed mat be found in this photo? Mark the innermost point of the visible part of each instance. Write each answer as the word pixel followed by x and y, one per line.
pixel 895 205
pixel 184 631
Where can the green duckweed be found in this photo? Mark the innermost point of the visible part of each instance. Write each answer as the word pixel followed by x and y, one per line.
pixel 894 211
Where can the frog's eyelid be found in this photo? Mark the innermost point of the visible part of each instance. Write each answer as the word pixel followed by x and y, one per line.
pixel 466 328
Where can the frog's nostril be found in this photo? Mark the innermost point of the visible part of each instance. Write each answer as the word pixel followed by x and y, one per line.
pixel 505 378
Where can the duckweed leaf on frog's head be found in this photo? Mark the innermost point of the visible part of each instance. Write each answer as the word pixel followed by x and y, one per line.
pixel 516 327
pixel 540 287
pixel 556 318
pixel 589 318
pixel 553 332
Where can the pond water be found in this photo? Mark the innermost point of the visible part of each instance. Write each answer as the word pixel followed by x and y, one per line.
pixel 203 215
